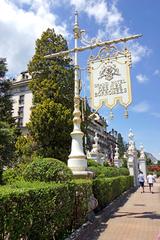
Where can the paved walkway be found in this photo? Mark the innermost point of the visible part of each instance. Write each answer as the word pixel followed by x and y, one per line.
pixel 137 219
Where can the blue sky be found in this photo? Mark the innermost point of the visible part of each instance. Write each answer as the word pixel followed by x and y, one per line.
pixel 23 21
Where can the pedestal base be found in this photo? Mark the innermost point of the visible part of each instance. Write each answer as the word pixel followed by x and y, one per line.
pixel 83 174
pixel 117 163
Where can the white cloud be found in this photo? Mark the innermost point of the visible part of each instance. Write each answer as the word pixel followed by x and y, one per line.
pixel 141 78
pixel 138 52
pixel 141 107
pixel 78 4
pixel 20 28
pixel 98 10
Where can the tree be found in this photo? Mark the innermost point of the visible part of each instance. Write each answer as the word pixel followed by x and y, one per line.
pixel 5 100
pixel 8 129
pixel 121 145
pixel 7 143
pixel 148 160
pixel 25 147
pixel 52 86
pixel 3 67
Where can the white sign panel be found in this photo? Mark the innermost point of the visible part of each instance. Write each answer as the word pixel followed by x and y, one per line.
pixel 110 80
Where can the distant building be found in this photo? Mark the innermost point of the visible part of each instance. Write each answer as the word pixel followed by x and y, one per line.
pixel 22 104
pixel 107 141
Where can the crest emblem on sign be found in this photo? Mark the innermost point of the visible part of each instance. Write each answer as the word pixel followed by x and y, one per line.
pixel 108 71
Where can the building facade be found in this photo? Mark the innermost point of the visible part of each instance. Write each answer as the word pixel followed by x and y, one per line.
pixel 22 100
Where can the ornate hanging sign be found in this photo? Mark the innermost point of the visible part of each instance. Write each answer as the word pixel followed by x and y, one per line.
pixel 109 74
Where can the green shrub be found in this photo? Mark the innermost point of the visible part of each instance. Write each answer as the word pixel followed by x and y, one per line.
pixel 42 210
pixel 98 170
pixel 1 174
pixel 123 171
pixel 13 174
pixel 107 189
pixel 124 162
pixel 158 174
pixel 106 164
pixel 111 172
pixel 102 171
pixel 47 170
pixel 93 163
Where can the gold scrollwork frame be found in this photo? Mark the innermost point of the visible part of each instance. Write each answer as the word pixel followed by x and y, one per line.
pixel 115 56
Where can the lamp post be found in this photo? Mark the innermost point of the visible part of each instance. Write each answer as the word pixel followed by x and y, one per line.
pixel 77 161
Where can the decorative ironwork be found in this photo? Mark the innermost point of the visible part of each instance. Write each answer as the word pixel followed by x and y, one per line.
pixel 85 41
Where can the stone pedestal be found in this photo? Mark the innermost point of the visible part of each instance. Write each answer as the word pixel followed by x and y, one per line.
pixel 142 167
pixel 95 153
pixel 117 161
pixel 132 158
pixel 142 162
pixel 130 165
pixel 133 168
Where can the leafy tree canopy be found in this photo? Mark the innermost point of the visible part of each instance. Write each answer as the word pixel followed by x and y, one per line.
pixel 51 126
pixel 121 145
pixel 51 78
pixel 8 137
pixel 3 67
pixel 8 129
pixel 5 100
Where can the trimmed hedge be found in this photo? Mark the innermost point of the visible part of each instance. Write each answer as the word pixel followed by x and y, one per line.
pixel 47 170
pixel 107 189
pixel 109 172
pixel 42 210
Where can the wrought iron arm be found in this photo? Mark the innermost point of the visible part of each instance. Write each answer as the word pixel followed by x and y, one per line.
pixel 99 44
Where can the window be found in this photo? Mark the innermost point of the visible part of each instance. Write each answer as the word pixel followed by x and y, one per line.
pixel 20 111
pixel 20 121
pixel 23 75
pixel 21 99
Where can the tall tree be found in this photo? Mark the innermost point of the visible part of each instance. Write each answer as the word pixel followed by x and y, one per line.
pixel 52 86
pixel 3 67
pixel 8 135
pixel 121 145
pixel 5 100
pixel 8 130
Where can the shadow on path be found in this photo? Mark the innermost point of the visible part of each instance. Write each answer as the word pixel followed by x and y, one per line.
pixel 150 215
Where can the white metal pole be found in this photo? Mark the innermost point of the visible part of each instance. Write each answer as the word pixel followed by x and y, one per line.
pixel 77 160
